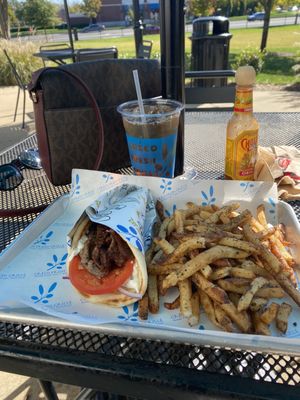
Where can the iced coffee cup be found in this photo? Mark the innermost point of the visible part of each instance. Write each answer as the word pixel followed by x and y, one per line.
pixel 152 135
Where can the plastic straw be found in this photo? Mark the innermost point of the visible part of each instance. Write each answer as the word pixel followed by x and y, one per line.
pixel 139 94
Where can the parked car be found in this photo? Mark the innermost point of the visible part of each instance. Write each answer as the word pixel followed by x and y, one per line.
pixel 92 28
pixel 258 16
pixel 151 29
pixel 63 25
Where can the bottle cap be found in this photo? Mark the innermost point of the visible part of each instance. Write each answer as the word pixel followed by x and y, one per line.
pixel 245 76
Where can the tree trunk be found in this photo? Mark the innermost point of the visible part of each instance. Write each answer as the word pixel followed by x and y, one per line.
pixel 4 21
pixel 268 7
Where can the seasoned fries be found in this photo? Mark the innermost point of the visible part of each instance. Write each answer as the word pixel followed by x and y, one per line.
pixel 185 290
pixel 229 263
pixel 246 299
pixel 174 304
pixel 195 317
pixel 153 301
pixel 269 314
pixel 283 316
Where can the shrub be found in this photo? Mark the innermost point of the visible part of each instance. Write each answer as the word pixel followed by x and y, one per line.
pixel 21 54
pixel 253 57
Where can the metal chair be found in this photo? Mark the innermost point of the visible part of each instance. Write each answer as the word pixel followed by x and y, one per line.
pixel 21 86
pixel 96 54
pixel 54 47
pixel 213 95
pixel 145 49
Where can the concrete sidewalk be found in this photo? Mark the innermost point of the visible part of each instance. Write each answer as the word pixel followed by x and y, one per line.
pixel 16 387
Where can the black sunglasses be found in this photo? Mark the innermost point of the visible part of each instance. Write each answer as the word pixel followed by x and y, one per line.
pixel 10 174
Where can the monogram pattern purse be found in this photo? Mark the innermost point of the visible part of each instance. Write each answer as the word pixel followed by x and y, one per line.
pixel 75 113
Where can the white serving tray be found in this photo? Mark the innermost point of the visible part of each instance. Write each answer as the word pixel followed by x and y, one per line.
pixel 266 344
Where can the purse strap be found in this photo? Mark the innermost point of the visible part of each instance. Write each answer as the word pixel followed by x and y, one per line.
pixel 33 93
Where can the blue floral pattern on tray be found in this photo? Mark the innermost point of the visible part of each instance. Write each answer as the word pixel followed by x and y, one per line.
pixel 44 239
pixel 171 211
pixel 75 186
pixel 56 263
pixel 129 315
pixel 166 185
pixel 43 296
pixel 272 204
pixel 208 198
pixel 246 186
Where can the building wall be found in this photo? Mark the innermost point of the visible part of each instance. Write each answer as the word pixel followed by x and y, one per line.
pixel 111 10
pixel 115 10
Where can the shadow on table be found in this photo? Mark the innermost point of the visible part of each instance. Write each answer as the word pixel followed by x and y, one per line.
pixel 12 134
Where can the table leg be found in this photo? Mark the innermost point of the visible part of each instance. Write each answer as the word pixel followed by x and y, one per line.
pixel 48 389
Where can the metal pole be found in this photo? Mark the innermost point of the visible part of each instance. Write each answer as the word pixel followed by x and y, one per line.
pixel 137 26
pixel 48 389
pixel 69 24
pixel 172 40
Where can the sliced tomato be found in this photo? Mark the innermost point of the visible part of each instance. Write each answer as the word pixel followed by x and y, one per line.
pixel 87 283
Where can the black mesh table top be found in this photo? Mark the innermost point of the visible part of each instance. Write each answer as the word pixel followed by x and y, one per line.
pixel 146 369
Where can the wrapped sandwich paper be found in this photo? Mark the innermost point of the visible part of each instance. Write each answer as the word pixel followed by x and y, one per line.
pixel 33 270
pixel 122 219
pixel 280 164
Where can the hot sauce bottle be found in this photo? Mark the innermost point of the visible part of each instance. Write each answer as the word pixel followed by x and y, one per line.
pixel 242 129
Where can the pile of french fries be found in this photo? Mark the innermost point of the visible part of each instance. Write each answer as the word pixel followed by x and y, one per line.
pixel 230 264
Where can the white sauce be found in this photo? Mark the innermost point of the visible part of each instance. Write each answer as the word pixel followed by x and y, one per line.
pixel 79 247
pixel 132 282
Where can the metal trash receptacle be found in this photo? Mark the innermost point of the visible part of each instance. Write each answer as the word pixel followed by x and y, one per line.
pixel 210 48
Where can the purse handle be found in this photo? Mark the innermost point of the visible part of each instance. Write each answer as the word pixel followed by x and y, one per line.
pixel 32 88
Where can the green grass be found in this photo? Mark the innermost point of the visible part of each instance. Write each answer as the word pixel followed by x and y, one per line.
pixel 283 47
pixel 283 39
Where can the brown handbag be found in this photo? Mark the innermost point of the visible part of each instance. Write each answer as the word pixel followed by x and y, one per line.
pixel 75 113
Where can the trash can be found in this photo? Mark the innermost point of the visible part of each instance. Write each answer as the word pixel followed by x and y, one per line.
pixel 210 48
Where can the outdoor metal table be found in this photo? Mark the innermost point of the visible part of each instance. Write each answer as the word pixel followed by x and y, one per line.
pixel 57 56
pixel 136 367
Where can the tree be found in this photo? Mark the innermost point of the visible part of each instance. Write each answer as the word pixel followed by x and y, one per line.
pixel 13 20
pixel 75 8
pixel 39 13
pixel 91 8
pixel 199 7
pixel 4 20
pixel 267 5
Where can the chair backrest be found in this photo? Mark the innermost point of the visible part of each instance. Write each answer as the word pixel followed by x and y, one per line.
pixel 18 78
pixel 197 95
pixel 96 54
pixel 54 47
pixel 145 49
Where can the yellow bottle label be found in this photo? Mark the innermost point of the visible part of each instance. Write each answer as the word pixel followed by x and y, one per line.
pixel 241 154
pixel 243 100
